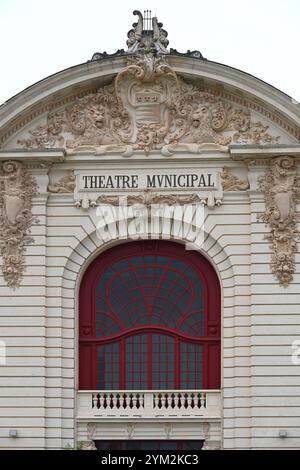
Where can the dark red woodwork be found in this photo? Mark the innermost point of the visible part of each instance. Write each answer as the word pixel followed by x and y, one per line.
pixel 149 319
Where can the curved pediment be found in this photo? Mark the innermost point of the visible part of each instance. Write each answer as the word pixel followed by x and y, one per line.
pixel 146 101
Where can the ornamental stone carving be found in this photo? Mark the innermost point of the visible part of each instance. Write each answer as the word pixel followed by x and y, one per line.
pixel 65 185
pixel 147 35
pixel 17 188
pixel 148 107
pixel 231 182
pixel 149 197
pixel 281 188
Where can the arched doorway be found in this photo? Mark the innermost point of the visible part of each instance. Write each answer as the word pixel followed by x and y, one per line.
pixel 149 320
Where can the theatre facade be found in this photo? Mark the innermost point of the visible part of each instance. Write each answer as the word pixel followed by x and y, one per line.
pixel 150 263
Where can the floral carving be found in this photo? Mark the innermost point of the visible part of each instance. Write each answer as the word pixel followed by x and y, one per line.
pixel 148 107
pixel 281 188
pixel 65 185
pixel 17 188
pixel 231 182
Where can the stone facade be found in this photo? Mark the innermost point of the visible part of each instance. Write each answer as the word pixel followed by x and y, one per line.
pixel 161 112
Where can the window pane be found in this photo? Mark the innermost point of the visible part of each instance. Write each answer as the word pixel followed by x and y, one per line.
pixel 108 367
pixel 136 362
pixel 191 366
pixel 163 362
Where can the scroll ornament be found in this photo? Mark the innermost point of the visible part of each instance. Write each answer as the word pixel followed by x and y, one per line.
pixel 281 188
pixel 17 188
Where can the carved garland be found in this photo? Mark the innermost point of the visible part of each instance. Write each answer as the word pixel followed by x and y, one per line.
pixel 281 188
pixel 17 188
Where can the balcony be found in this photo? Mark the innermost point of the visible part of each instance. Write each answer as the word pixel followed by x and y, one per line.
pixel 168 404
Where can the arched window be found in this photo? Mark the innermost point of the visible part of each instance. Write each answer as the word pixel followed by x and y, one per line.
pixel 149 319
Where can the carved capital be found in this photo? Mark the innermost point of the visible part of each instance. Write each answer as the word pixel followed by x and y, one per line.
pixel 281 189
pixel 17 188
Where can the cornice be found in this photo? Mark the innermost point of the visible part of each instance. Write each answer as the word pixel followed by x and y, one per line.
pixel 33 155
pixel 262 152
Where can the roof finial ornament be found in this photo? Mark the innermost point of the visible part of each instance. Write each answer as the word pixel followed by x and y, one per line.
pixel 147 35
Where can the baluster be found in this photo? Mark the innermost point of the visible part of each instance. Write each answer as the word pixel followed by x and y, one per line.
pixel 93 398
pixel 122 400
pixel 188 400
pixel 165 400
pixel 105 404
pixel 114 400
pixel 204 399
pixel 185 400
pixel 142 401
pixel 118 400
pixel 134 400
pixel 179 400
pixel 126 400
pixel 193 399
pixel 98 400
pixel 101 401
pixel 173 400
pixel 176 400
pixel 111 400
pixel 169 400
pixel 155 400
pixel 130 400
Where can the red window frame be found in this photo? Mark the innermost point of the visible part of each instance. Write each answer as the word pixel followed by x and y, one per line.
pixel 210 341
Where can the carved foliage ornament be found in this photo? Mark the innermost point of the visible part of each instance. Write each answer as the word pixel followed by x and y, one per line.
pixel 281 188
pixel 148 107
pixel 17 188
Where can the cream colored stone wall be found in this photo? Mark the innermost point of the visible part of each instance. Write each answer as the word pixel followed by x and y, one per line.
pixel 260 321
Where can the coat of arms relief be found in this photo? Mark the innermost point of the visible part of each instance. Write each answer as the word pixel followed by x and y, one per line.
pixel 148 107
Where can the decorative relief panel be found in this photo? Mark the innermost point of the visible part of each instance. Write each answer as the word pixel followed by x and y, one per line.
pixel 281 188
pixel 148 197
pixel 17 188
pixel 65 185
pixel 148 107
pixel 231 182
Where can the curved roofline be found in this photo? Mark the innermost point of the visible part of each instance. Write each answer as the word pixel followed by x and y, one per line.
pixel 31 102
pixel 113 56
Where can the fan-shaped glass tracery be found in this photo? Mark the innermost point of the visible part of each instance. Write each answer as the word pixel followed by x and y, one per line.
pixel 149 290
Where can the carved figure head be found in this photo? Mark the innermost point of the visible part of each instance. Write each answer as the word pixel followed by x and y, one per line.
pixel 95 116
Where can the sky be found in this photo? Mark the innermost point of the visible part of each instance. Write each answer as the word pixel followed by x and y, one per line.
pixel 41 37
